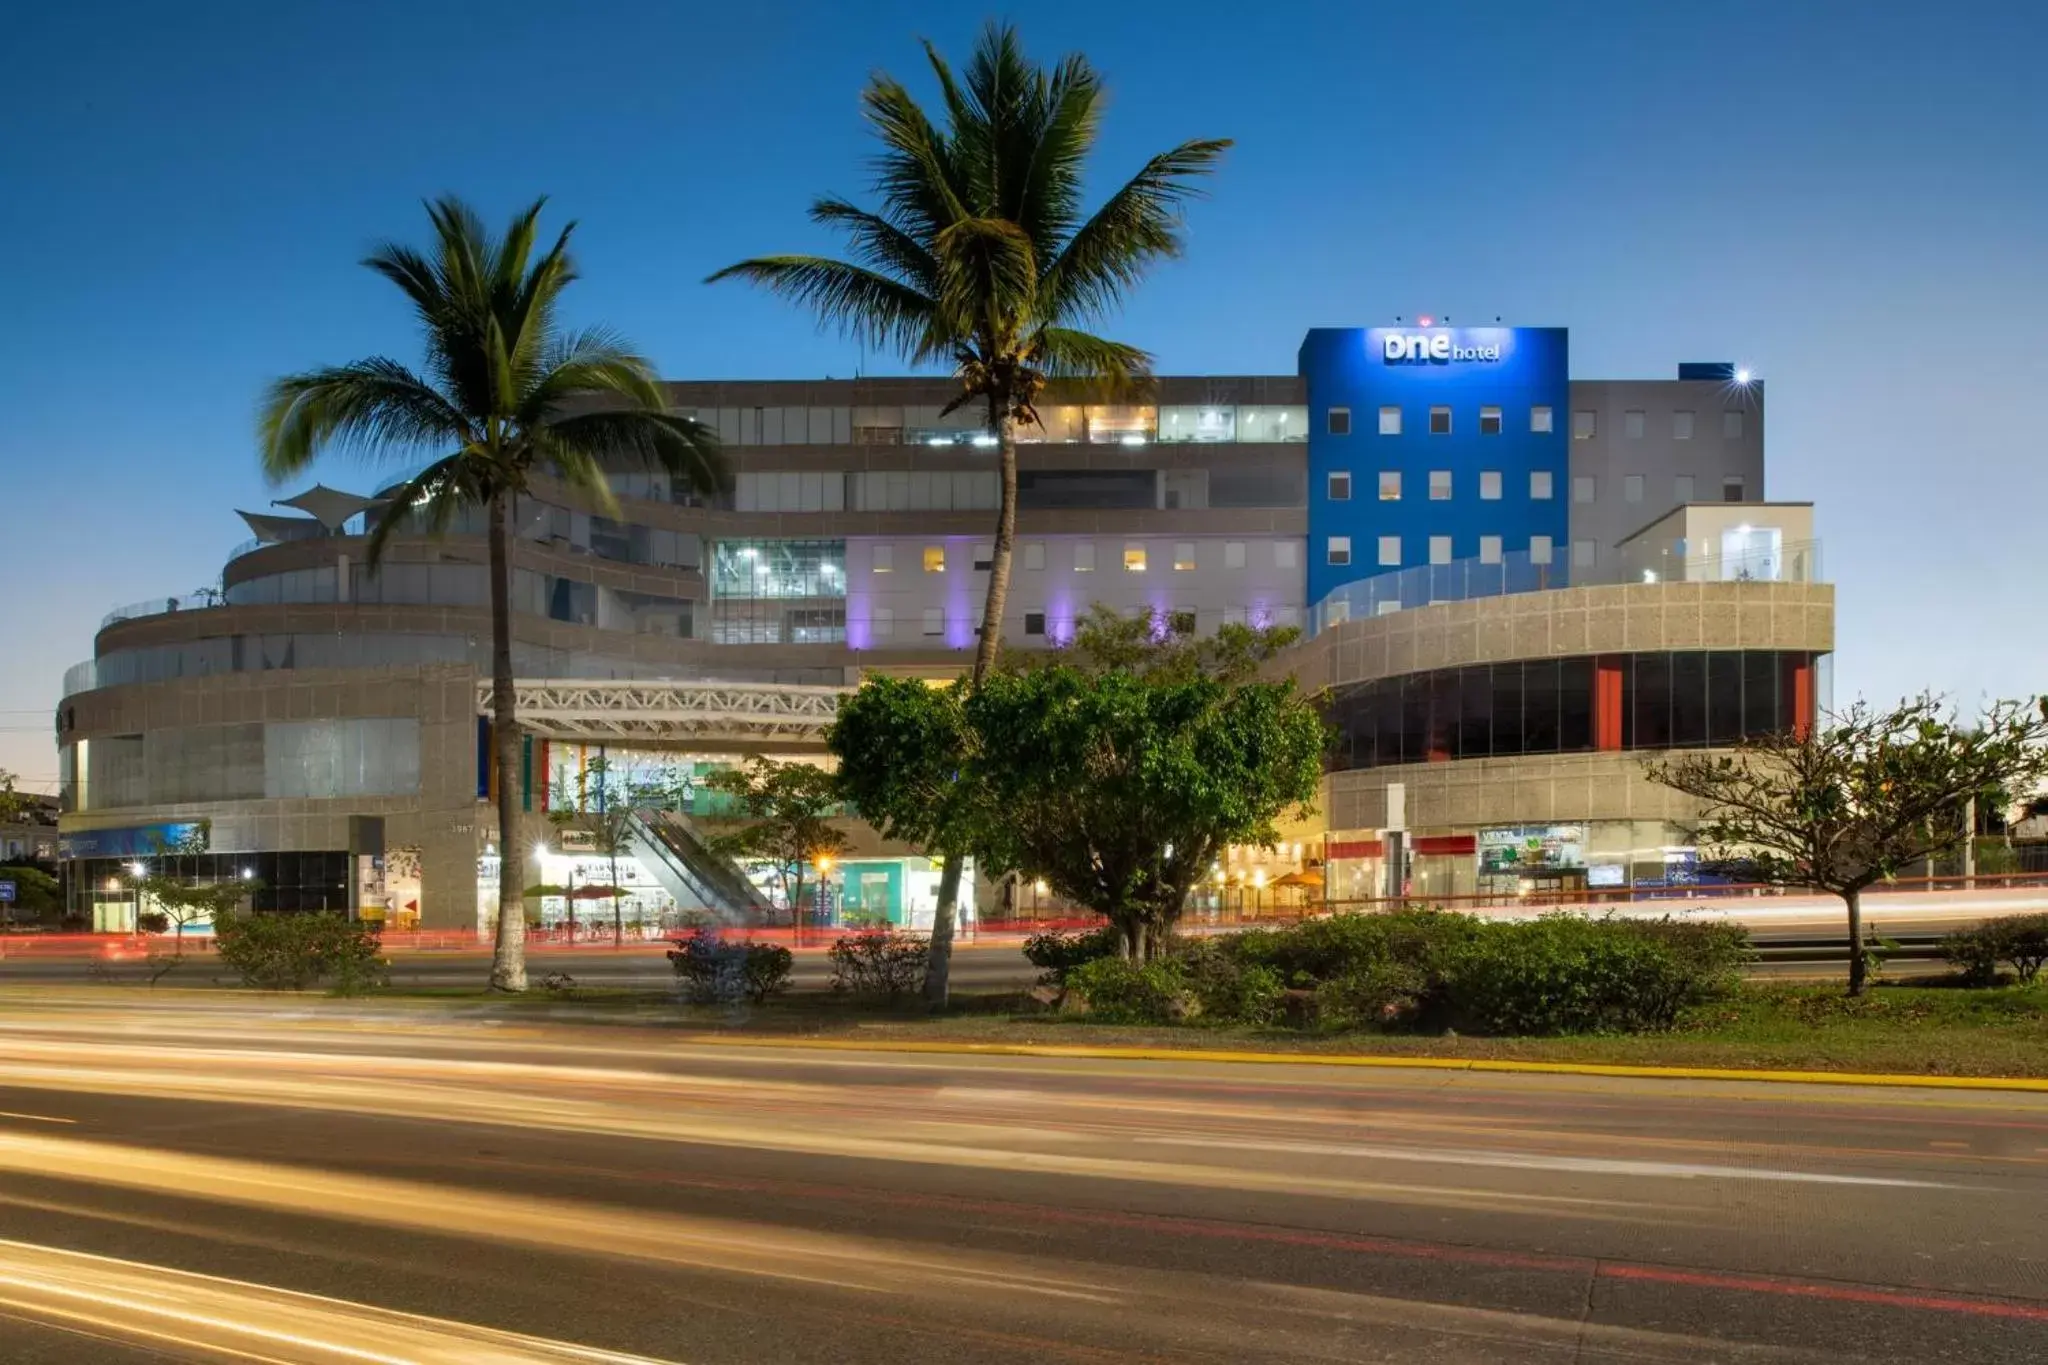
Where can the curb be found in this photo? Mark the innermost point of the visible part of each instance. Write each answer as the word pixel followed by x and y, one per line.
pixel 2020 1084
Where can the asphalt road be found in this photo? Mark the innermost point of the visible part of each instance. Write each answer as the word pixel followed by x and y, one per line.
pixel 212 1178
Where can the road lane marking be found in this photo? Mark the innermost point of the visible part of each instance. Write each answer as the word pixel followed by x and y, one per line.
pixel 34 1118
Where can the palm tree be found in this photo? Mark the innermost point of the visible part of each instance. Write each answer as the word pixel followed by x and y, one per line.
pixel 979 257
pixel 507 393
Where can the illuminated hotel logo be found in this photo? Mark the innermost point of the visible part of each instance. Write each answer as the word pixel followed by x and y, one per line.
pixel 1432 348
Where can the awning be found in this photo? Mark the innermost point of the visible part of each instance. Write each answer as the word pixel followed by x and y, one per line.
pixel 275 530
pixel 329 506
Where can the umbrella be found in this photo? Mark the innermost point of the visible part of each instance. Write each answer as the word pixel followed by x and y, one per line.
pixel 595 892
pixel 1310 877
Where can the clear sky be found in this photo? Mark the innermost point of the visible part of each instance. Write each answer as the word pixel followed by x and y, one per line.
pixel 1848 197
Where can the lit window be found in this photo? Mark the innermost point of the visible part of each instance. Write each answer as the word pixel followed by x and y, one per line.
pixel 1134 558
pixel 1731 488
pixel 1682 489
pixel 1731 424
pixel 1390 421
pixel 1340 421
pixel 885 623
pixel 1390 485
pixel 1489 421
pixel 1582 554
pixel 1539 549
pixel 1632 488
pixel 1233 554
pixel 884 560
pixel 984 557
pixel 1583 488
pixel 1540 485
pixel 1439 485
pixel 1632 424
pixel 1439 421
pixel 1340 485
pixel 934 621
pixel 1183 556
pixel 1583 425
pixel 1340 549
pixel 1283 554
pixel 1540 420
pixel 1439 549
pixel 1084 556
pixel 934 559
pixel 1489 549
pixel 1681 426
pixel 1034 623
pixel 1390 552
pixel 1489 485
pixel 1034 554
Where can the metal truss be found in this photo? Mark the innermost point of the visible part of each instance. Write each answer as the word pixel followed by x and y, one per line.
pixel 671 712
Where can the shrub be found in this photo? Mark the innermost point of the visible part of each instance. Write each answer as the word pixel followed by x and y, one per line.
pixel 2020 941
pixel 153 922
pixel 1564 974
pixel 878 964
pixel 1974 954
pixel 1716 953
pixel 1338 946
pixel 713 971
pixel 1382 995
pixel 278 952
pixel 1120 991
pixel 2025 945
pixel 1056 954
pixel 1225 989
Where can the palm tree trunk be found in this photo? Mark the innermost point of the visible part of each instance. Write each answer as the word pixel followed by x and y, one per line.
pixel 1857 967
pixel 508 960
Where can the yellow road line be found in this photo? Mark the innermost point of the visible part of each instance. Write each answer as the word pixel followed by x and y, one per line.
pixel 2030 1084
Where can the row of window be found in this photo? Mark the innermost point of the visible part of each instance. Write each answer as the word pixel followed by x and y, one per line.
pixel 1542 486
pixel 1096 423
pixel 376 756
pixel 1542 421
pixel 1667 699
pixel 1542 550
pixel 1136 557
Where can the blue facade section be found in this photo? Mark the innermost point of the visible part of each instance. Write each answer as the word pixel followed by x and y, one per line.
pixel 1466 370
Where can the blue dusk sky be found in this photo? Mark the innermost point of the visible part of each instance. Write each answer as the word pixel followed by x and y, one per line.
pixel 1847 197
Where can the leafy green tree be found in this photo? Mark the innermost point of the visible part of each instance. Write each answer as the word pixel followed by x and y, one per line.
pixel 787 808
pixel 36 892
pixel 185 903
pixel 1857 798
pixel 601 806
pixel 14 805
pixel 980 256
pixel 507 395
pixel 1147 643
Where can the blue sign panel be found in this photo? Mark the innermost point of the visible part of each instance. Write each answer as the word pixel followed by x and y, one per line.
pixel 133 841
pixel 1445 439
pixel 6 892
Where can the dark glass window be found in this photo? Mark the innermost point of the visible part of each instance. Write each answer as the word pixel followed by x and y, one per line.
pixel 1574 705
pixel 1415 718
pixel 1507 708
pixel 1539 706
pixel 1760 673
pixel 1689 697
pixel 1475 712
pixel 1649 709
pixel 1724 697
pixel 1034 623
pixel 1444 702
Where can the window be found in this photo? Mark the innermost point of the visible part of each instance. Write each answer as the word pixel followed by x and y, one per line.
pixel 1489 549
pixel 1034 623
pixel 1584 425
pixel 1682 489
pixel 984 557
pixel 1540 420
pixel 1681 426
pixel 884 623
pixel 1183 556
pixel 1439 549
pixel 1582 554
pixel 1134 558
pixel 1283 554
pixel 1390 485
pixel 1390 421
pixel 883 560
pixel 1539 549
pixel 1034 554
pixel 1439 485
pixel 1181 621
pixel 1632 424
pixel 1439 421
pixel 1340 421
pixel 1731 488
pixel 1632 488
pixel 1731 424
pixel 1540 485
pixel 1340 485
pixel 934 621
pixel 1583 488
pixel 1084 556
pixel 1489 485
pixel 1489 421
pixel 934 559
pixel 1340 549
pixel 1390 552
pixel 1233 554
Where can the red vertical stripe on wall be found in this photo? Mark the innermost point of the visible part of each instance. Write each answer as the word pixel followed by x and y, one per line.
pixel 1799 691
pixel 1607 702
pixel 543 776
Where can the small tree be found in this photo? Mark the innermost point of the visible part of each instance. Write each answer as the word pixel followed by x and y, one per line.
pixel 601 806
pixel 1121 790
pixel 1856 799
pixel 786 806
pixel 183 903
pixel 14 805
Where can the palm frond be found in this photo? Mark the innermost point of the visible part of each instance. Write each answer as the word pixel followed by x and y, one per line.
pixel 988 276
pixel 1136 226
pixel 1111 370
pixel 1048 206
pixel 860 303
pixel 917 173
pixel 434 495
pixel 585 444
pixel 879 244
pixel 370 407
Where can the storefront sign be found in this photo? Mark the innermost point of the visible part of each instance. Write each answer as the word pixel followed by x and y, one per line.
pixel 133 841
pixel 1432 348
pixel 1531 848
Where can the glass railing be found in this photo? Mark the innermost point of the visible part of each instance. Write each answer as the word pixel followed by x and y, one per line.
pixel 1465 579
pixel 202 600
pixel 81 677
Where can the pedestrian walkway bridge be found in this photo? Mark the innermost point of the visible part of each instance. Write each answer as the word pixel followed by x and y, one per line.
pixel 600 711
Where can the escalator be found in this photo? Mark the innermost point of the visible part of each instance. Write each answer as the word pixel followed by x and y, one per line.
pixel 675 854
